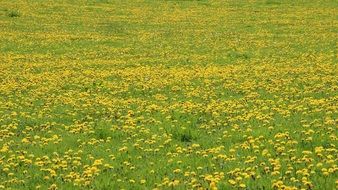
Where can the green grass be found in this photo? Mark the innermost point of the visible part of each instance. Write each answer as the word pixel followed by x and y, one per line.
pixel 181 94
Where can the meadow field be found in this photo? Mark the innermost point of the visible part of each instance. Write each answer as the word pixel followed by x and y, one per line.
pixel 159 94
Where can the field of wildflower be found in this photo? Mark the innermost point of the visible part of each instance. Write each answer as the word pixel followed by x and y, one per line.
pixel 189 94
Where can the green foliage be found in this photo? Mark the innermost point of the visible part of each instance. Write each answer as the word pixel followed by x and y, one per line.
pixel 13 13
pixel 177 94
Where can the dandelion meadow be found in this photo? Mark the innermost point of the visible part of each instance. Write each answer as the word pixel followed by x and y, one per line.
pixel 144 94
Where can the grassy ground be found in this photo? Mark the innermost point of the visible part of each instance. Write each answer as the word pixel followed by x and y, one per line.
pixel 168 94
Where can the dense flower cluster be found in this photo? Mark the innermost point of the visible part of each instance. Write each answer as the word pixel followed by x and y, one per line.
pixel 168 95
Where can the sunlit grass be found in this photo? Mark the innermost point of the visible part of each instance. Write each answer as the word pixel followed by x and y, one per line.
pixel 168 95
